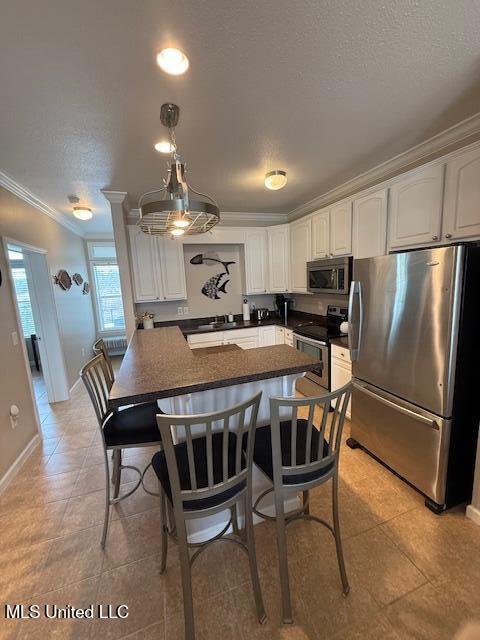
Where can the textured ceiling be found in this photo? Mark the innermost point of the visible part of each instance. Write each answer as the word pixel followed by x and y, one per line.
pixel 324 89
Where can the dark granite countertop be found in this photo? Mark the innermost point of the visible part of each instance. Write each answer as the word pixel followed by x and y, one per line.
pixel 160 364
pixel 190 326
pixel 341 341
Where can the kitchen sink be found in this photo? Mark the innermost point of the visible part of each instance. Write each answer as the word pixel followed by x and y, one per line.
pixel 215 326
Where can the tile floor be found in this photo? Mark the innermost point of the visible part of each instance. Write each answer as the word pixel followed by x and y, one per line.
pixel 412 574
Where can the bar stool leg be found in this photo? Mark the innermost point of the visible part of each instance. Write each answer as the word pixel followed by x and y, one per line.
pixel 186 576
pixel 107 502
pixel 116 471
pixel 282 556
pixel 252 559
pixel 306 502
pixel 164 525
pixel 233 512
pixel 338 537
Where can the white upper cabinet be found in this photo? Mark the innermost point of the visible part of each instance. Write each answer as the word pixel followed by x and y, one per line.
pixel 147 282
pixel 300 253
pixel 172 269
pixel 158 269
pixel 415 214
pixel 278 258
pixel 461 216
pixel 321 234
pixel 370 225
pixel 256 260
pixel 341 229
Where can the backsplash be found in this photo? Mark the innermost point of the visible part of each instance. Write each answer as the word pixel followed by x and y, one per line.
pixel 317 302
pixel 214 285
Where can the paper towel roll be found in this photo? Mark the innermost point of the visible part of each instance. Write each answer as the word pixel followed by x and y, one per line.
pixel 246 311
pixel 344 327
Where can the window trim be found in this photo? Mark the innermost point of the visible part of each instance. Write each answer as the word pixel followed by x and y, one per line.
pixel 102 261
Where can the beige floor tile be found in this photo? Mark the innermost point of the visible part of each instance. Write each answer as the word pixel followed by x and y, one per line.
pixel 25 492
pixel 72 558
pixel 377 628
pixel 48 445
pixel 462 580
pixel 427 614
pixel 65 462
pixel 20 571
pixel 138 502
pixel 434 543
pixel 316 580
pixel 8 627
pixel 79 595
pixel 133 538
pixel 154 631
pixel 31 526
pixel 138 585
pixel 83 512
pixel 381 567
pixel 90 479
pixel 94 457
pixel 69 442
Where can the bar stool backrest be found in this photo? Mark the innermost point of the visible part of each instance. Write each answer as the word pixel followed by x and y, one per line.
pixel 316 455
pixel 96 378
pixel 236 424
pixel 101 347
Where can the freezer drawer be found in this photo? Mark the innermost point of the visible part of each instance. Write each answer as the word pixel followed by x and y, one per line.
pixel 411 441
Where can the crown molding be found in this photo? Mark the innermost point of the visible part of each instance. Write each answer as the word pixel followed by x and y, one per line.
pixel 234 218
pixel 465 131
pixel 114 197
pixel 30 198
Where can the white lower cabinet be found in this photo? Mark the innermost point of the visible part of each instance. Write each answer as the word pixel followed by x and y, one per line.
pixel 279 335
pixel 340 370
pixel 288 336
pixel 266 336
pixel 244 338
pixel 202 340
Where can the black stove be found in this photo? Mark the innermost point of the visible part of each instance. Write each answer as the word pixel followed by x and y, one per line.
pixel 326 328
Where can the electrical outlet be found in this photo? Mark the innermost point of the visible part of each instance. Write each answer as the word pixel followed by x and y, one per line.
pixel 14 338
pixel 185 311
pixel 180 311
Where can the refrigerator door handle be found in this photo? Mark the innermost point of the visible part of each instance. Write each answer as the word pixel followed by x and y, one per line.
pixel 408 412
pixel 355 292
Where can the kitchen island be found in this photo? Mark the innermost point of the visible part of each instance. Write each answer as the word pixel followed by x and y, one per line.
pixel 159 365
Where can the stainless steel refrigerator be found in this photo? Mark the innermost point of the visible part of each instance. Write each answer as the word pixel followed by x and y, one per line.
pixel 414 339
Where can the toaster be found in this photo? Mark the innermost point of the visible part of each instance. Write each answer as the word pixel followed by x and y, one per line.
pixel 262 314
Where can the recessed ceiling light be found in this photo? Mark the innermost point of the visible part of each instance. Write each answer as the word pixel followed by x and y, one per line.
pixel 177 232
pixel 82 213
pixel 276 179
pixel 164 147
pixel 173 61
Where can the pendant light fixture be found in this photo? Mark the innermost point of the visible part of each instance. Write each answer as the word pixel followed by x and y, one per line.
pixel 176 212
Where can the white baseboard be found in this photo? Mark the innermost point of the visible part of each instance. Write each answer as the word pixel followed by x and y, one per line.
pixel 17 465
pixel 291 504
pixel 473 513
pixel 75 385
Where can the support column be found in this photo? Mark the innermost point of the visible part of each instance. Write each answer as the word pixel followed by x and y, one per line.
pixel 116 200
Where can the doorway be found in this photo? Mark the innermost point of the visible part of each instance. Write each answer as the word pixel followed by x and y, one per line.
pixel 38 323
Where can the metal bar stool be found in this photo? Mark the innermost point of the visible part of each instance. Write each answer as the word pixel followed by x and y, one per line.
pixel 133 426
pixel 207 472
pixel 297 456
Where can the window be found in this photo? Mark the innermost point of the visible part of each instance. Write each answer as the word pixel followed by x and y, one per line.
pixel 21 290
pixel 106 287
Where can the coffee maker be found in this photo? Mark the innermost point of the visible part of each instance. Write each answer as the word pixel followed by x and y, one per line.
pixel 283 305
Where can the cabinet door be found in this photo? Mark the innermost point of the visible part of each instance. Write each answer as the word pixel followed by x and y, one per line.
pixel 243 343
pixel 172 269
pixel 289 337
pixel 145 264
pixel 267 336
pixel 341 229
pixel 256 261
pixel 416 208
pixel 300 254
pixel 278 259
pixel 321 234
pixel 370 225
pixel 340 373
pixel 279 335
pixel 461 214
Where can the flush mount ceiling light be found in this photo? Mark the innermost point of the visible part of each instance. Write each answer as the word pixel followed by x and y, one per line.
pixel 164 147
pixel 276 179
pixel 176 212
pixel 82 213
pixel 173 61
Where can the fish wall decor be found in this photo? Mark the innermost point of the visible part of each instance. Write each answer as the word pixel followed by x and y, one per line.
pixel 217 283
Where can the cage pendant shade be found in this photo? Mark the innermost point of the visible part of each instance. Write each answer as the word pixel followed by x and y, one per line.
pixel 176 206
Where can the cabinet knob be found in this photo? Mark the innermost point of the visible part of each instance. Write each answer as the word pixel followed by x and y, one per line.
pixel 448 235
pixel 434 237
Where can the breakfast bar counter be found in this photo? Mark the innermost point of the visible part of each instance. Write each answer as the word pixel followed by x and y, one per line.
pixel 160 364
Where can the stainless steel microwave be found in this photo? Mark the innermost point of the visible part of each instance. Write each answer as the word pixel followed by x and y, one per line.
pixel 332 275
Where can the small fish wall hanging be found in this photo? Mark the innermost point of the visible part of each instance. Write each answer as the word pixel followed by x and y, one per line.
pixel 217 283
pixel 77 278
pixel 63 280
pixel 86 288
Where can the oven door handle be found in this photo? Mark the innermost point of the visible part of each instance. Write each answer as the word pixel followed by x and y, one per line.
pixel 314 343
